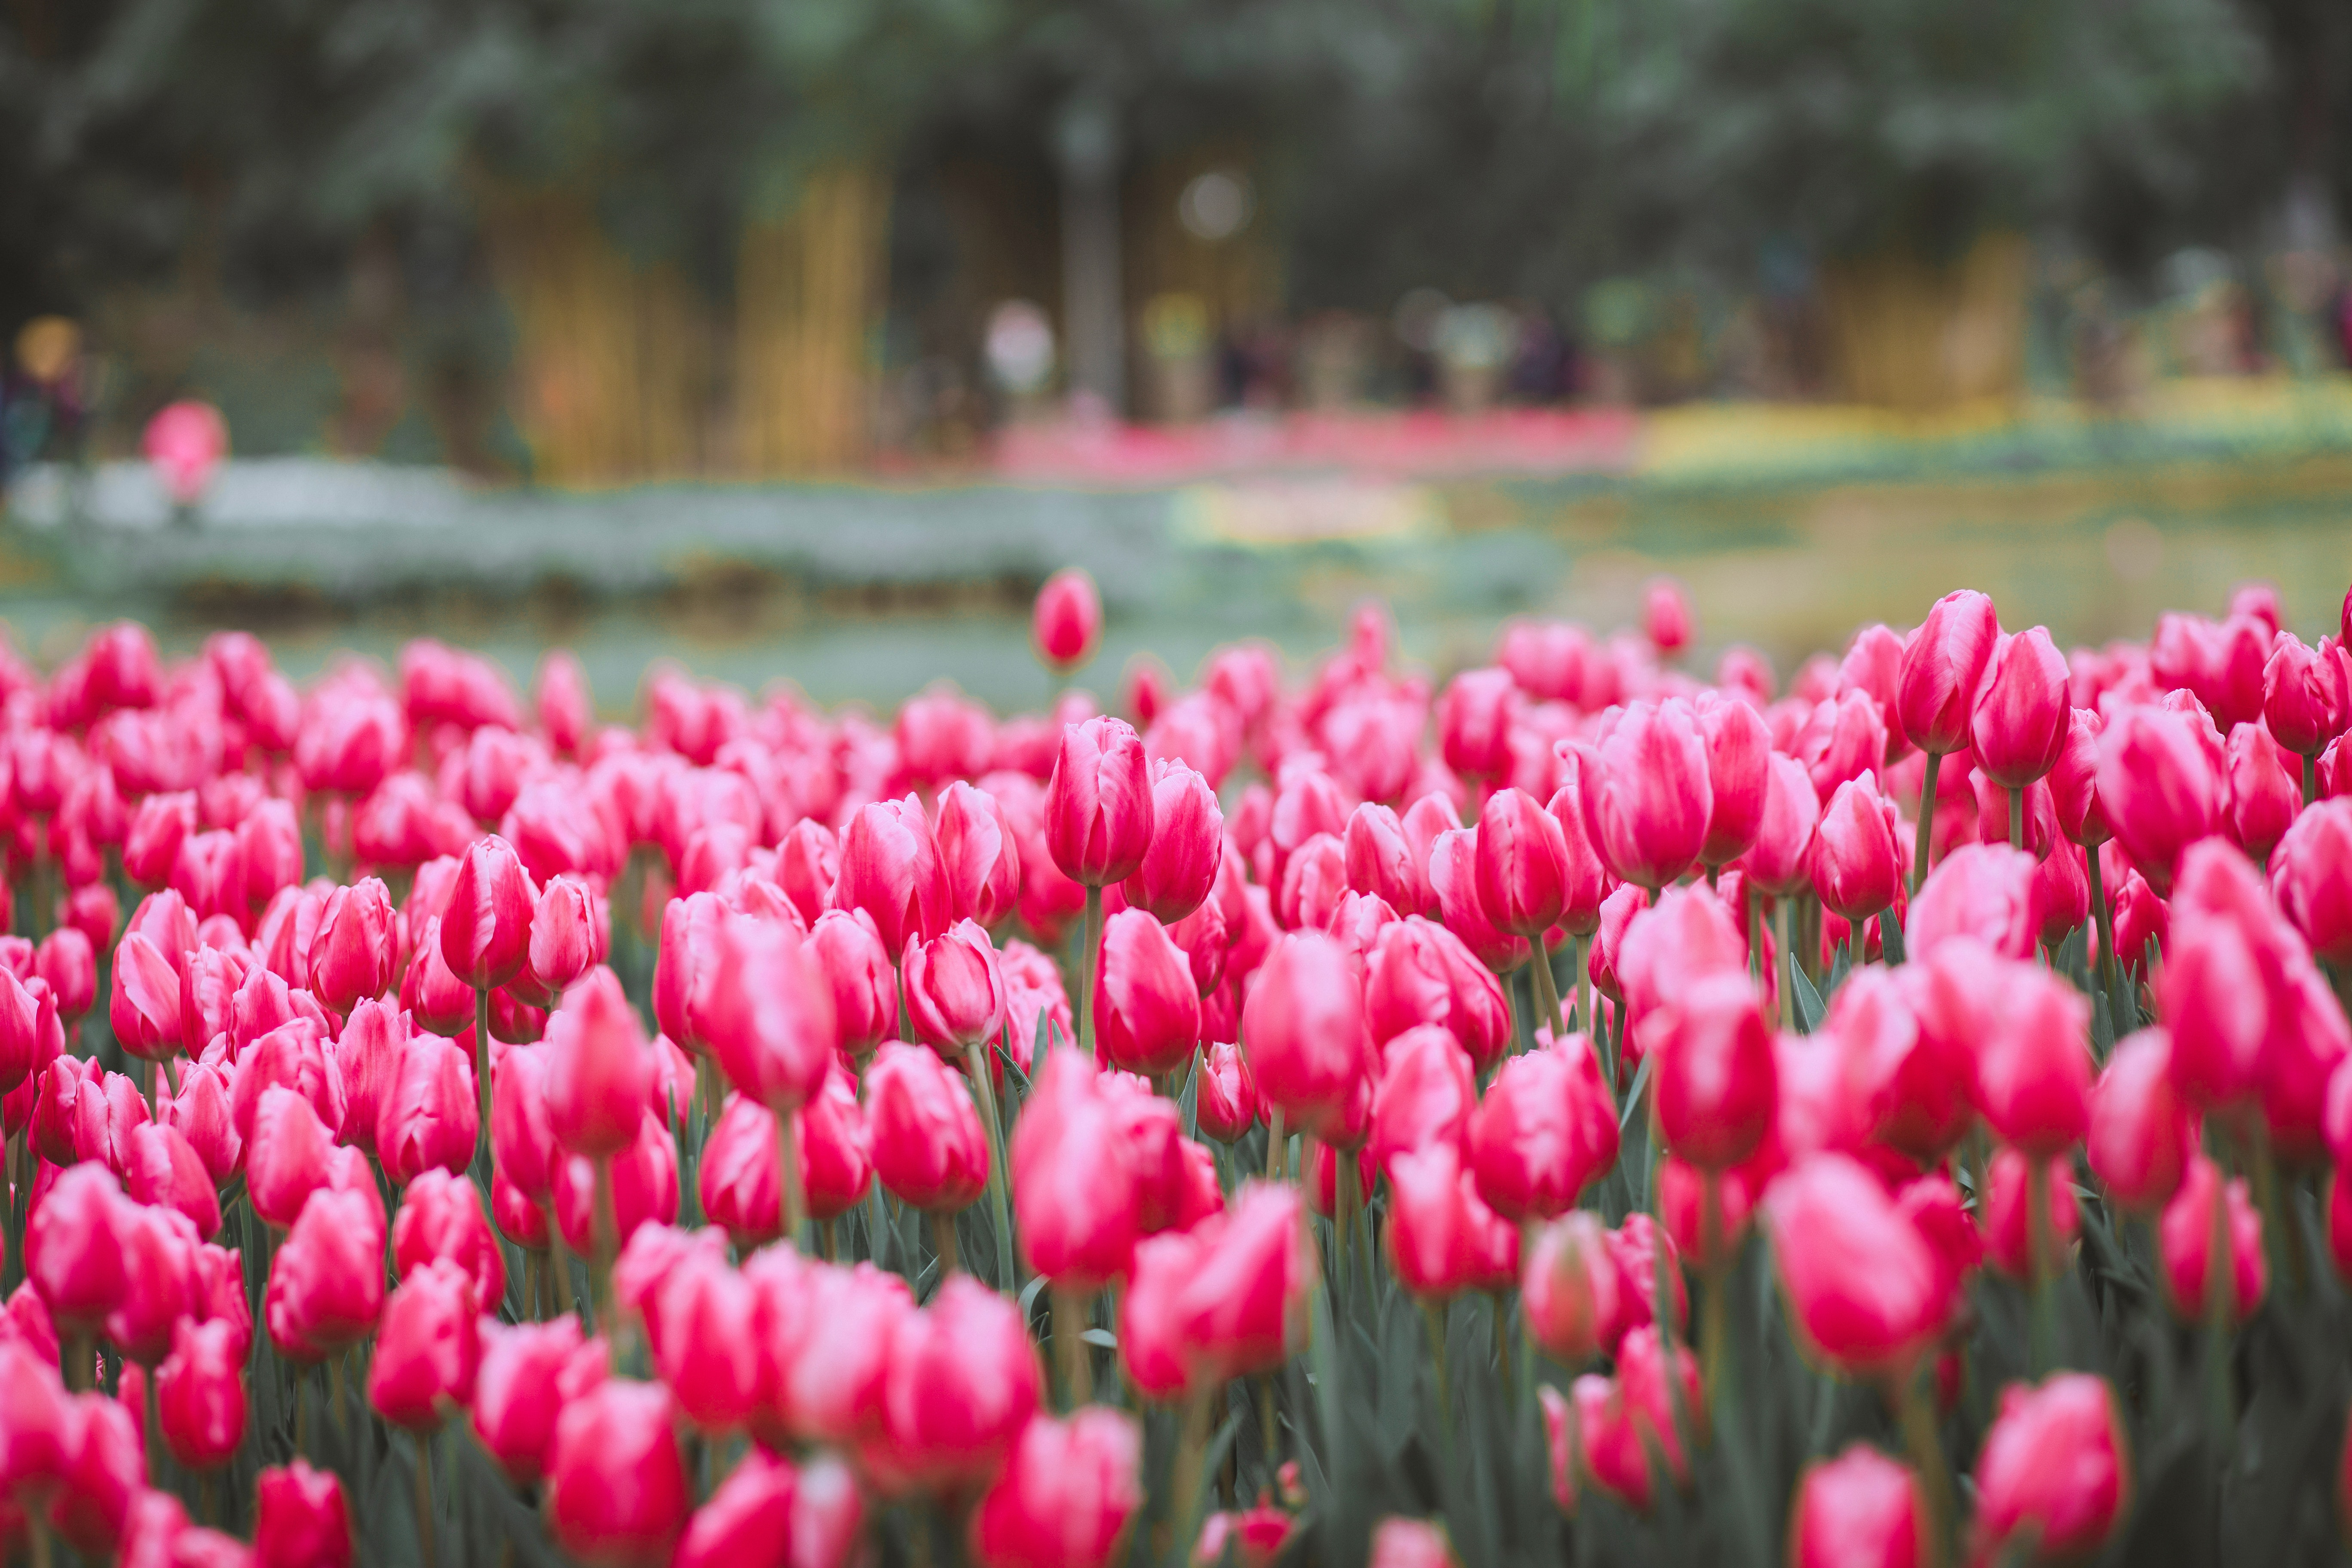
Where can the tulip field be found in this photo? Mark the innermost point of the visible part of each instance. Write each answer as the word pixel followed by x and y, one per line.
pixel 1584 1109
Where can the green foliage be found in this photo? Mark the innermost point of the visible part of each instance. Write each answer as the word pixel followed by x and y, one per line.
pixel 1486 147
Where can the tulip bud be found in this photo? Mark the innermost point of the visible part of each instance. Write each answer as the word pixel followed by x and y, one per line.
pixel 961 1382
pixel 2052 1476
pixel 1474 714
pixel 2074 782
pixel 1520 864
pixel 105 1468
pixel 847 954
pixel 441 1219
pixel 1314 879
pixel 1569 1287
pixel 1380 859
pixel 1074 1178
pixel 2185 1237
pixel 617 1488
pixel 645 1189
pixel 486 923
pixel 325 1283
pixel 203 1115
pixel 1780 860
pixel 978 856
pixel 599 1069
pixel 1187 845
pixel 2007 1214
pixel 1983 891
pixel 707 1349
pixel 164 1169
pixel 1739 753
pixel 1864 1290
pixel 1419 972
pixel 430 1120
pixel 1453 880
pixel 2306 694
pixel 1645 792
pixel 748 1519
pixel 1241 1308
pixel 1066 623
pixel 1069 1491
pixel 291 1056
pixel 300 1519
pixel 955 989
pixel 200 1394
pixel 434 996
pixel 74 1248
pixel 1226 1099
pixel 2140 1134
pixel 2311 872
pixel 567 940
pixel 517 1391
pixel 1544 1130
pixel 1441 1236
pixel 2261 796
pixel 2158 787
pixel 769 1019
pixel 1944 666
pixel 351 957
pixel 145 1006
pixel 1715 1081
pixel 2019 723
pixel 1858 851
pixel 1147 1009
pixel 1305 1027
pixel 67 961
pixel 2033 1061
pixel 1843 737
pixel 826 1344
pixel 1099 804
pixel 928 1147
pixel 808 862
pixel 1860 1509
pixel 1424 1095
pixel 890 869
pixel 2223 990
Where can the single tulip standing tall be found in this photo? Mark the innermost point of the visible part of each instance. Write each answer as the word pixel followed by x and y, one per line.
pixel 1943 669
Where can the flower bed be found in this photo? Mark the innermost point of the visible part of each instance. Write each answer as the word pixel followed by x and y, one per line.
pixel 1579 1109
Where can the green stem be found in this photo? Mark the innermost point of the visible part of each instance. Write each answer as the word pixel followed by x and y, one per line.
pixel 2310 777
pixel 1787 986
pixel 2040 1267
pixel 482 1156
pixel 2220 1288
pixel 943 1241
pixel 603 1238
pixel 984 1081
pixel 425 1531
pixel 1343 1208
pixel 1584 1020
pixel 559 1263
pixel 1089 959
pixel 1752 917
pixel 1434 1313
pixel 1277 1154
pixel 1070 1356
pixel 1924 840
pixel 1918 1419
pixel 2016 817
pixel 788 1171
pixel 1547 992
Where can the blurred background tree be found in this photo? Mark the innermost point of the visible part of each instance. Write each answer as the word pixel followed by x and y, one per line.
pixel 605 239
